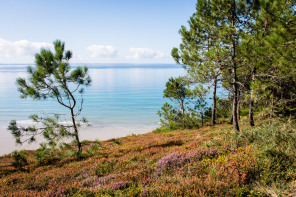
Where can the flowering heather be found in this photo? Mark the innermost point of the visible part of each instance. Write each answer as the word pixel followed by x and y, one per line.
pixel 58 192
pixel 105 179
pixel 89 181
pixel 170 162
pixel 176 160
pixel 121 185
pixel 147 192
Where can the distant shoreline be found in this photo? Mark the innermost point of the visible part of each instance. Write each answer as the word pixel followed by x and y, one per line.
pixel 23 67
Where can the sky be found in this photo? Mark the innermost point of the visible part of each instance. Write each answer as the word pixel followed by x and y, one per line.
pixel 96 31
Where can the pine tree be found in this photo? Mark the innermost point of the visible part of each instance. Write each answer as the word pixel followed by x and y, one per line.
pixel 269 54
pixel 215 31
pixel 52 77
pixel 278 48
pixel 200 53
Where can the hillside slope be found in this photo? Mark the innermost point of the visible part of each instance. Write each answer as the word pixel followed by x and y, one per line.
pixel 211 161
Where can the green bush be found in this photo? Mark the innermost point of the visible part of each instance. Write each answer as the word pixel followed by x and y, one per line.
pixel 116 141
pixel 223 108
pixel 45 154
pixel 172 119
pixel 98 142
pixel 20 159
pixel 85 142
pixel 91 151
pixel 105 167
pixel 244 112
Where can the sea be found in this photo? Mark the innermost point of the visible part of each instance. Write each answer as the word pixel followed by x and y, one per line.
pixel 122 100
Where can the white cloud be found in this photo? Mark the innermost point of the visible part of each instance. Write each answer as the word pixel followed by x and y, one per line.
pixel 76 57
pixel 102 51
pixel 21 48
pixel 145 53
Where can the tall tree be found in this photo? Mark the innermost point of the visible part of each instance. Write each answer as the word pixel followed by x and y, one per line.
pixel 200 52
pixel 268 52
pixel 52 77
pixel 277 23
pixel 216 26
pixel 249 62
pixel 234 18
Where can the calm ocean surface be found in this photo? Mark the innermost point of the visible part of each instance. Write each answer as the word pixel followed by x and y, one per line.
pixel 122 99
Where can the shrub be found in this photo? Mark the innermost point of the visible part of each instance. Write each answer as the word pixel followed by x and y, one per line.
pixel 105 167
pixel 276 148
pixel 116 141
pixel 172 119
pixel 91 151
pixel 85 142
pixel 98 142
pixel 45 154
pixel 20 159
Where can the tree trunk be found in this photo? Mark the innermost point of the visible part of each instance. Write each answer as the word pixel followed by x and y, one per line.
pixel 238 105
pixel 272 105
pixel 182 112
pixel 213 121
pixel 251 119
pixel 233 55
pixel 202 120
pixel 78 143
pixel 182 107
pixel 234 107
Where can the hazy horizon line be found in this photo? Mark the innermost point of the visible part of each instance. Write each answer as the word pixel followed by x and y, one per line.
pixel 97 63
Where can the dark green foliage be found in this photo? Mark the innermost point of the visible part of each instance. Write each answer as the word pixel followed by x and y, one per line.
pixel 190 109
pixel 270 51
pixel 172 119
pixel 248 47
pixel 45 154
pixel 85 142
pixel 224 107
pixel 201 107
pixel 116 141
pixel 93 150
pixel 209 45
pixel 170 116
pixel 20 159
pixel 179 115
pixel 177 92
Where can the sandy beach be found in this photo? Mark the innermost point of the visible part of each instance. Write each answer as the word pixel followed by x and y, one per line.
pixel 7 142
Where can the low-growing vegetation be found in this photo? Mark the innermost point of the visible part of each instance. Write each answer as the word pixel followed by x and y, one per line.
pixel 211 161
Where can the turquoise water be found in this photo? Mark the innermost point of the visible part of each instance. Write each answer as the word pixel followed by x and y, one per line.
pixel 122 99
